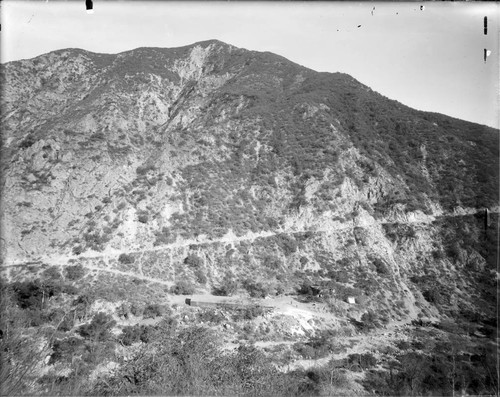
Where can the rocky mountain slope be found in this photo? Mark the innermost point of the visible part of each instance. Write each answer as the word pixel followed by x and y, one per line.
pixel 217 166
pixel 166 147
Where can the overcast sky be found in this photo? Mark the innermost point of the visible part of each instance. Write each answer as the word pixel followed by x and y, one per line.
pixel 429 59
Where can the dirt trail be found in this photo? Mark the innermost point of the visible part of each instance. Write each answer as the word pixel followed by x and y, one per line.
pixel 363 343
pixel 303 312
pixel 99 269
pixel 62 259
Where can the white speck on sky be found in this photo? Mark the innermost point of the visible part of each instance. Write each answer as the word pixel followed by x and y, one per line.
pixel 429 59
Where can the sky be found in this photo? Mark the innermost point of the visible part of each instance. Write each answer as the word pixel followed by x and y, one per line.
pixel 430 59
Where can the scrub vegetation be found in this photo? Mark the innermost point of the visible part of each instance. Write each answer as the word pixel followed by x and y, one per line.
pixel 208 220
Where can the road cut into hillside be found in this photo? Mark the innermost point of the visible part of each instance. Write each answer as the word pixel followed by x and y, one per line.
pixel 309 314
pixel 109 252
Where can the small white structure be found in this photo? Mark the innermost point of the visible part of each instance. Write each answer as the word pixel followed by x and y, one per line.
pixel 351 300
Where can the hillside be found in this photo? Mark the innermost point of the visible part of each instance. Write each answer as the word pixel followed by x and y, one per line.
pixel 218 171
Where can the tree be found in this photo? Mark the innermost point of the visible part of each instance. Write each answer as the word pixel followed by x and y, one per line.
pixel 154 310
pixel 305 288
pixel 99 328
pixel 193 261
pixel 256 289
pixel 200 276
pixel 52 274
pixel 183 287
pixel 176 362
pixel 123 310
pixel 227 287
pixel 370 320
pixel 255 372
pixel 130 334
pixel 82 305
pixel 413 371
pixel 454 366
pixel 136 309
pixel 126 259
pixel 75 272
pixel 22 349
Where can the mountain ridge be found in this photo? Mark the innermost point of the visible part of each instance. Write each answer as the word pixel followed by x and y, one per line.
pixel 150 147
pixel 221 43
pixel 299 210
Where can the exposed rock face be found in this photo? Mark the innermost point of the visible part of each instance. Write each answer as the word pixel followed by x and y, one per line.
pixel 258 165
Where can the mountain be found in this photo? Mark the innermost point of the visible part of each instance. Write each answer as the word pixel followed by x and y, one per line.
pixel 214 165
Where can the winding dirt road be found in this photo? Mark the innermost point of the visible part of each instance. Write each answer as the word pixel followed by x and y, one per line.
pixel 109 253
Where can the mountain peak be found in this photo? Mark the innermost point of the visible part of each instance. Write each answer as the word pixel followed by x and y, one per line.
pixel 164 100
pixel 205 43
